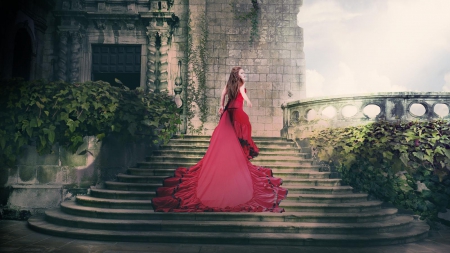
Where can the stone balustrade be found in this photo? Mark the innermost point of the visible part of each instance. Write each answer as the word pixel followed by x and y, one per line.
pixel 302 116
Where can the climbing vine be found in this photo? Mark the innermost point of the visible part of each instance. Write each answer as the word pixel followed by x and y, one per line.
pixel 197 58
pixel 252 15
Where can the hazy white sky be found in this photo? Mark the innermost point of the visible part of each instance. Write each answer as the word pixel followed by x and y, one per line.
pixel 359 46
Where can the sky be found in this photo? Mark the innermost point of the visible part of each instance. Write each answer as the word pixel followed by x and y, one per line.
pixel 366 46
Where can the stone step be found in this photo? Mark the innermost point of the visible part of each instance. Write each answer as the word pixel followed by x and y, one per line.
pixel 311 182
pixel 337 190
pixel 203 148
pixel 397 223
pixel 328 198
pixel 418 230
pixel 116 194
pixel 70 207
pixel 297 206
pixel 305 174
pixel 140 179
pixel 292 206
pixel 179 163
pixel 112 185
pixel 200 153
pixel 258 142
pixel 151 172
pixel 286 181
pixel 208 137
pixel 114 203
pixel 302 175
pixel 267 161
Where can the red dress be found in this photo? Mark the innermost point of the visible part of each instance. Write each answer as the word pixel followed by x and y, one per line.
pixel 224 180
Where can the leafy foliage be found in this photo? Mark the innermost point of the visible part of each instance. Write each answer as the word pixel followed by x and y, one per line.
pixel 406 164
pixel 43 113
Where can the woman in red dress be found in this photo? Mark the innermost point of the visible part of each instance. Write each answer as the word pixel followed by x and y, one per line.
pixel 224 180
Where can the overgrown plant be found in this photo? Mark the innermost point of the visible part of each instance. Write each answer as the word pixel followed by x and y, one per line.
pixel 197 58
pixel 406 164
pixel 252 15
pixel 43 113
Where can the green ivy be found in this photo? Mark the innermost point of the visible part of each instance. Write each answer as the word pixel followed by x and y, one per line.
pixel 43 113
pixel 197 58
pixel 406 164
pixel 251 15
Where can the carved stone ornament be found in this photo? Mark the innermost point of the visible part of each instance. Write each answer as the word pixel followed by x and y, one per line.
pixel 101 24
pixel 76 5
pixel 164 6
pixel 154 6
pixel 65 5
pixel 152 23
pixel 131 26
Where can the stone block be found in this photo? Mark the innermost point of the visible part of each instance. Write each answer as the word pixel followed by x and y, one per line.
pixel 259 93
pixel 260 60
pixel 8 176
pixel 49 174
pixel 27 174
pixel 29 156
pixel 35 196
pixel 69 159
pixel 287 78
pixel 49 159
pixel 263 119
pixel 265 103
pixel 253 77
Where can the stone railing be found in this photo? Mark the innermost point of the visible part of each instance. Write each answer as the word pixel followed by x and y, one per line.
pixel 303 116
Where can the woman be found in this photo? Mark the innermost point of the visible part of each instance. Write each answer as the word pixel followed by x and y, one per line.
pixel 224 180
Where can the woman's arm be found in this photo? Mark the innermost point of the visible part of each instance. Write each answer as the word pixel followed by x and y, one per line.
pixel 244 95
pixel 222 99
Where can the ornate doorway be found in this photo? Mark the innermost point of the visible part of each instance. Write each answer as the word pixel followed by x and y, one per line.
pixel 117 61
pixel 22 55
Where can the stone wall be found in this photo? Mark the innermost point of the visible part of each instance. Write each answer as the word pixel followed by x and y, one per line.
pixel 41 182
pixel 274 62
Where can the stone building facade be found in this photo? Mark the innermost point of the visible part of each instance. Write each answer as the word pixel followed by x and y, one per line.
pixel 144 43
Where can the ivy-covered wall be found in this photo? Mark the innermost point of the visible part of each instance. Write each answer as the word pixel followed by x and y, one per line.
pixel 272 58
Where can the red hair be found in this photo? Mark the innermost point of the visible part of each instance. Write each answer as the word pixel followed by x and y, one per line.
pixel 234 83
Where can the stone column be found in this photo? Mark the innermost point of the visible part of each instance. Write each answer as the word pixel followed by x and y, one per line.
pixel 151 61
pixel 62 55
pixel 163 66
pixel 76 37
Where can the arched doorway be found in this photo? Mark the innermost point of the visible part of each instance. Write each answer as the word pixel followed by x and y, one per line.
pixel 22 55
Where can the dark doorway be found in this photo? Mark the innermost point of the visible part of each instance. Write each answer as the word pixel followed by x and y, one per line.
pixel 22 55
pixel 117 61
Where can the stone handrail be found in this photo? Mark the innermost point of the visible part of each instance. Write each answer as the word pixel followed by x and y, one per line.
pixel 302 116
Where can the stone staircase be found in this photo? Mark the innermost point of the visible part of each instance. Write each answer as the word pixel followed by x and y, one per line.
pixel 319 210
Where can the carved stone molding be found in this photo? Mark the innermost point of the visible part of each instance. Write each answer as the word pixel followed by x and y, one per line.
pixel 100 24
pixel 131 25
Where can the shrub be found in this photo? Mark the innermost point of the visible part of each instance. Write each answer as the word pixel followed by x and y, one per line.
pixel 42 113
pixel 406 164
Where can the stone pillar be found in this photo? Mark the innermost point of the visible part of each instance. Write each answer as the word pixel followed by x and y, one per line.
pixel 76 37
pixel 163 59
pixel 151 61
pixel 62 55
